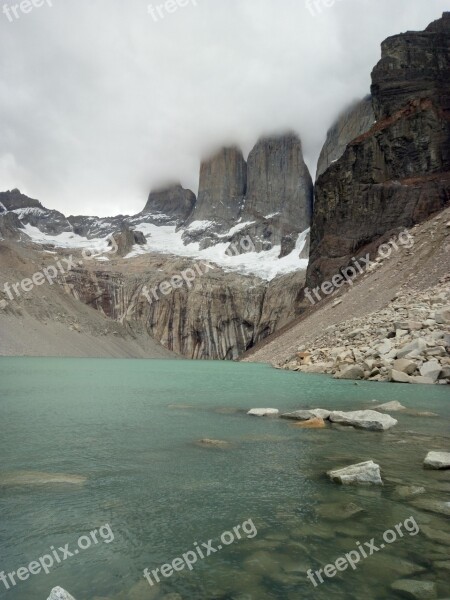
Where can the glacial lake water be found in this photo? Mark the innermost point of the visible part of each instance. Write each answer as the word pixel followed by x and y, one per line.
pixel 130 428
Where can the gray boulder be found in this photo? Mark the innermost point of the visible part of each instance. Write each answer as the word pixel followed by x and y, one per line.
pixel 58 593
pixel 364 419
pixel 437 460
pixel 405 366
pixel 399 377
pixel 353 372
pixel 365 473
pixel 431 369
pixel 416 346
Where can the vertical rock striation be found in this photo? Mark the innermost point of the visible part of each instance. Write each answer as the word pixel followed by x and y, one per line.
pixel 279 191
pixel 222 188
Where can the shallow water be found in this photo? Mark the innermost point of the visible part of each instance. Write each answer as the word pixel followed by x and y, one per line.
pixel 130 428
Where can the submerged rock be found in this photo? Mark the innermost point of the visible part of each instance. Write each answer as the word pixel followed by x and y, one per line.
pixel 263 412
pixel 436 506
pixel 437 460
pixel 364 419
pixel 38 478
pixel 339 512
pixel 314 423
pixel 408 491
pixel 213 443
pixel 435 535
pixel 365 473
pixel 391 406
pixel 306 415
pixel 417 590
pixel 58 593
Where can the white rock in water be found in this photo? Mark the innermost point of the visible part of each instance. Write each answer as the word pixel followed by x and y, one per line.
pixel 437 460
pixel 263 412
pixel 364 419
pixel 365 473
pixel 394 406
pixel 58 593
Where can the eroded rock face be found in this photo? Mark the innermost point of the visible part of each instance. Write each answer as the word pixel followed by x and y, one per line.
pixel 353 122
pixel 397 173
pixel 217 315
pixel 171 205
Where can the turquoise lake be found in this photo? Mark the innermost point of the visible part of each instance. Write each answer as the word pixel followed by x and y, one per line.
pixel 126 432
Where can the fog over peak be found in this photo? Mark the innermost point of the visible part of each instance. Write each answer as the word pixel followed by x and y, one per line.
pixel 100 102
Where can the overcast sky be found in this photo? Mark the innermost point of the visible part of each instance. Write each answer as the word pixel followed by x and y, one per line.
pixel 100 101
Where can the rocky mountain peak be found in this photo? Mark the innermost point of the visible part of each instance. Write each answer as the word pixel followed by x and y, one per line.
pixel 413 65
pixel 14 200
pixel 222 188
pixel 172 204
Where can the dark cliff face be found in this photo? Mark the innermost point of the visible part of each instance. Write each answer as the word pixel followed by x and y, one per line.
pixel 353 122
pixel 413 65
pixel 397 173
pixel 172 204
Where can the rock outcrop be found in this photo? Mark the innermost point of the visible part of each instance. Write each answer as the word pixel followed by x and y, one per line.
pixel 397 173
pixel 126 238
pixel 268 199
pixel 222 189
pixel 170 205
pixel 10 226
pixel 279 192
pixel 353 122
pixel 216 315
pixel 31 212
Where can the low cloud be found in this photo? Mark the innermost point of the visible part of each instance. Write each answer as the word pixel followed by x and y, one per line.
pixel 99 101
